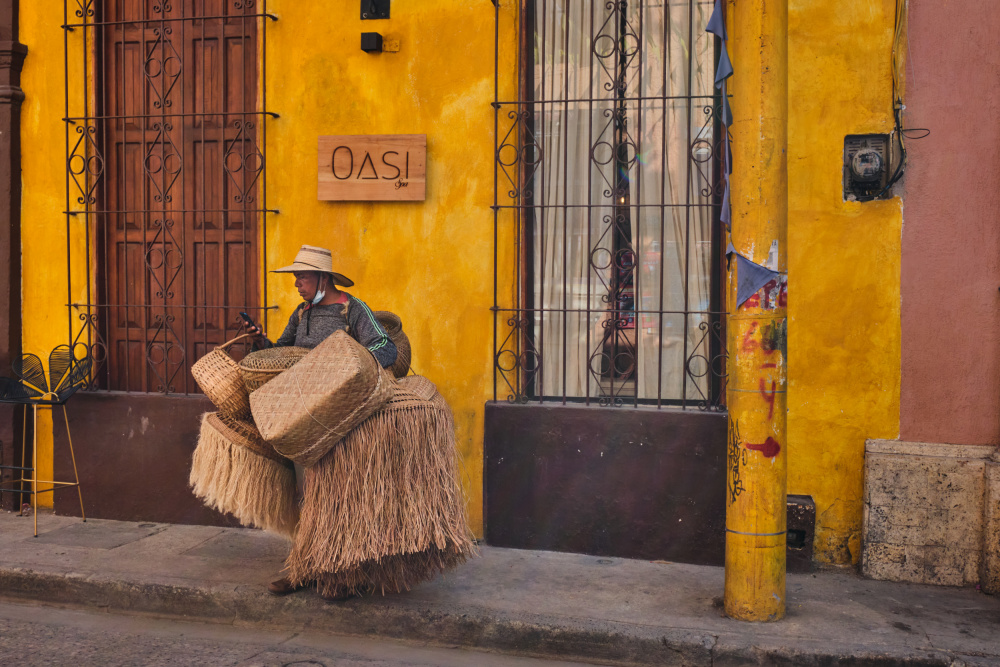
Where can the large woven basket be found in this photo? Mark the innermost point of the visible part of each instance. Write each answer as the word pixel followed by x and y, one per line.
pixel 306 410
pixel 394 327
pixel 244 434
pixel 258 368
pixel 218 375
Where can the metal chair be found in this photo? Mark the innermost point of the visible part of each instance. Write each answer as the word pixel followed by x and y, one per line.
pixel 31 389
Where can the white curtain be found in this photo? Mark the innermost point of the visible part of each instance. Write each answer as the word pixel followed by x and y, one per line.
pixel 574 203
pixel 567 228
pixel 672 224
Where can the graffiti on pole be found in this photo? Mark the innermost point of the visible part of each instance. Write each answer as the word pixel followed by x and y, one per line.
pixel 736 460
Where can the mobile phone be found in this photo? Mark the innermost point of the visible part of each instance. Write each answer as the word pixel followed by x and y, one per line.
pixel 246 318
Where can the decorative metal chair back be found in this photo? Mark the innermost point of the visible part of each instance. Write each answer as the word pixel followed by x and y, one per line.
pixel 66 375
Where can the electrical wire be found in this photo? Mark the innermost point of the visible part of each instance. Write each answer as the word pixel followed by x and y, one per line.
pixel 899 132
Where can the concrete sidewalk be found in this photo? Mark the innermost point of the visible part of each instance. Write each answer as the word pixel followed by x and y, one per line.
pixel 602 610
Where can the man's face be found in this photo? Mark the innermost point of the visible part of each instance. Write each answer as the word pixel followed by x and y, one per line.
pixel 307 283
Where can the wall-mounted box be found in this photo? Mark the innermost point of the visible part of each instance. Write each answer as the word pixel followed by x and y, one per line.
pixel 866 167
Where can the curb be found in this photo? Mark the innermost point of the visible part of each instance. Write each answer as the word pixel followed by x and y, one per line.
pixel 607 643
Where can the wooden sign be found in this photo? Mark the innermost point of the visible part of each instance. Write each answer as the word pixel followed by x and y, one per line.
pixel 372 167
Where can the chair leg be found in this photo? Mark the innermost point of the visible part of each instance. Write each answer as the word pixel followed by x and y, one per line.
pixel 24 451
pixel 34 466
pixel 73 457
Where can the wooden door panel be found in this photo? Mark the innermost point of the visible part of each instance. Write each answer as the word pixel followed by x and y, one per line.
pixel 180 249
pixel 205 183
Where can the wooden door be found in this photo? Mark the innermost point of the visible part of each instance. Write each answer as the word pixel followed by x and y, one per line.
pixel 178 232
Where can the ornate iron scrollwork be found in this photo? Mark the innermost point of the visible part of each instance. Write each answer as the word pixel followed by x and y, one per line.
pixel 598 84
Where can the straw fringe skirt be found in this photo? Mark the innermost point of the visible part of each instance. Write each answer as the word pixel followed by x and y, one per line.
pixel 384 509
pixel 257 490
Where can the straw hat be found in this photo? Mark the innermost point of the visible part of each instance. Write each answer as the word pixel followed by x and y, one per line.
pixel 313 258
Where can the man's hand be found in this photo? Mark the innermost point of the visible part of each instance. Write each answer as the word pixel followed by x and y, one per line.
pixel 254 331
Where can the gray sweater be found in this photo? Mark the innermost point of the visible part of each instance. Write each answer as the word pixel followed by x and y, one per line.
pixel 310 325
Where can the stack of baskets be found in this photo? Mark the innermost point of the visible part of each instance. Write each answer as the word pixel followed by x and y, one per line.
pixel 307 410
pixel 382 506
pixel 233 469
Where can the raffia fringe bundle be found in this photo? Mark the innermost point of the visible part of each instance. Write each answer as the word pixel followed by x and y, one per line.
pixel 309 408
pixel 385 509
pixel 233 470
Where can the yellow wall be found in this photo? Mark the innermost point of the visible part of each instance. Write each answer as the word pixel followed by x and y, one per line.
pixel 430 262
pixel 43 173
pixel 843 261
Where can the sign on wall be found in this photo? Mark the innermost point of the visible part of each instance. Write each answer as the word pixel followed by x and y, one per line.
pixel 372 167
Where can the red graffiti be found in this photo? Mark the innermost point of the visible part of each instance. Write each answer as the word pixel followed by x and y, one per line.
pixel 768 397
pixel 749 343
pixel 774 294
pixel 769 365
pixel 769 448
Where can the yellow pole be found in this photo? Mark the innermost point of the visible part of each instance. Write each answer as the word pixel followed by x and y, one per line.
pixel 756 485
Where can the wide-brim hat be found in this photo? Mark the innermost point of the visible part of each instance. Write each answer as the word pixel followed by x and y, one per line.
pixel 314 258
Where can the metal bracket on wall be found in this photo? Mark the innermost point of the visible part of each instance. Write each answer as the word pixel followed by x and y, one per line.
pixel 374 9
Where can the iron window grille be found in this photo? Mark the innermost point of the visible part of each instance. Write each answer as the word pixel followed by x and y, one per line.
pixel 592 201
pixel 165 110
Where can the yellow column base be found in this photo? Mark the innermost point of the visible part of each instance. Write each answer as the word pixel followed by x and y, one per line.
pixel 755 577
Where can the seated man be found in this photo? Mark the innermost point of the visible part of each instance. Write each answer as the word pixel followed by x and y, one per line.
pixel 327 309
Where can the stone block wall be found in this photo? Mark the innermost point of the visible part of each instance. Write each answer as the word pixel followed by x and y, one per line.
pixel 932 514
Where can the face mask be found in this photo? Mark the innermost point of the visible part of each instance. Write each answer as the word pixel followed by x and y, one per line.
pixel 319 295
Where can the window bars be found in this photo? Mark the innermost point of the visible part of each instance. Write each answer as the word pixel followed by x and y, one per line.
pixel 607 186
pixel 166 200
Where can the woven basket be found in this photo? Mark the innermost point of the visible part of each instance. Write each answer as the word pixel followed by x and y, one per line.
pixel 306 410
pixel 394 327
pixel 233 470
pixel 258 368
pixel 218 375
pixel 412 386
pixel 244 434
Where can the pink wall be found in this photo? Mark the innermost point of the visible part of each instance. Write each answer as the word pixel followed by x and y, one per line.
pixel 951 225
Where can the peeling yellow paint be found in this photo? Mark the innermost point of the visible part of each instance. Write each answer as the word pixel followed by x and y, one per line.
pixel 756 390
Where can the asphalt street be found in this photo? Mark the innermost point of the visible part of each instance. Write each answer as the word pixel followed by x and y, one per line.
pixel 33 635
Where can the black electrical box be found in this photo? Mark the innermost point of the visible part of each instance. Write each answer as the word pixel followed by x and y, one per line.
pixel 801 525
pixel 371 42
pixel 866 167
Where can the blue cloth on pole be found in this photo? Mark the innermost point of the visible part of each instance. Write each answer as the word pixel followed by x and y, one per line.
pixel 717 22
pixel 725 69
pixel 725 215
pixel 750 277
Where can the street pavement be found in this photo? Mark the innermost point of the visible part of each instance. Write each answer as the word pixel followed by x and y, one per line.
pixel 518 603
pixel 32 635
